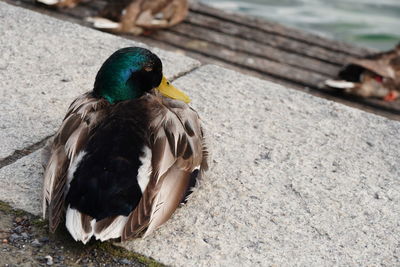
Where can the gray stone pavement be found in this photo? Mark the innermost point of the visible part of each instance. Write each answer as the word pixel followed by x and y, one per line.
pixel 294 180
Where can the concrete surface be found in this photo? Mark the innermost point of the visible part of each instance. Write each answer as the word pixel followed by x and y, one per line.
pixel 44 64
pixel 21 183
pixel 294 180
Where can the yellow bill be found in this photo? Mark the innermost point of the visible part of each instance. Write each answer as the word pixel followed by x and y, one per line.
pixel 168 90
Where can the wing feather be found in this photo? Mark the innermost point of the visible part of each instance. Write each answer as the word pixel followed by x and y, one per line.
pixel 177 145
pixel 83 114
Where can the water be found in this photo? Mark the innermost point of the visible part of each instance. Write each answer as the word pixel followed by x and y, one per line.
pixel 371 23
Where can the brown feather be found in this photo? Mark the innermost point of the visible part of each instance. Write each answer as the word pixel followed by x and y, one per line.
pixel 85 220
pixel 178 149
pixel 68 127
pixel 181 145
pixel 189 129
pixel 104 223
pixel 171 192
pixel 58 159
pixel 46 152
pixel 171 141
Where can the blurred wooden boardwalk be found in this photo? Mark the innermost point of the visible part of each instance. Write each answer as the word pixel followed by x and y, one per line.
pixel 257 47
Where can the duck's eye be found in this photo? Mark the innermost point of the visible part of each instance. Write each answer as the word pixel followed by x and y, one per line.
pixel 167 83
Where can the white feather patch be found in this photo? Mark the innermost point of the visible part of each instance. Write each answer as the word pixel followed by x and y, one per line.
pixel 49 2
pixel 114 230
pixel 102 23
pixel 340 84
pixel 143 176
pixel 73 222
pixel 72 168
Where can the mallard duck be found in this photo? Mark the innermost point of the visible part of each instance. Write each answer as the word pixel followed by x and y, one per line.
pixel 127 153
pixel 133 16
pixel 373 76
pixel 137 16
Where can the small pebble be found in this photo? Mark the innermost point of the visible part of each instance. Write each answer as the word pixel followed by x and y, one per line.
pixel 125 261
pixel 18 220
pixel 370 144
pixel 36 243
pixel 25 235
pixel 18 229
pixel 44 239
pixel 5 241
pixel 49 260
pixel 14 237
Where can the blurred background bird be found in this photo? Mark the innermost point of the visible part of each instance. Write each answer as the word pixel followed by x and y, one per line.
pixel 133 16
pixel 376 75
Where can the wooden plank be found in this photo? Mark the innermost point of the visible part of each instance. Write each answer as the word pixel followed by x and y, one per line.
pixel 281 30
pixel 274 69
pixel 255 49
pixel 279 42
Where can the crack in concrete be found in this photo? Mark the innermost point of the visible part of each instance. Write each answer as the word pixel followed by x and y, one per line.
pixel 183 73
pixel 306 208
pixel 20 153
pixel 322 234
pixel 298 194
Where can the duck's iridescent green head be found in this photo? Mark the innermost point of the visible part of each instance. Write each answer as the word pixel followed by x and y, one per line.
pixel 129 73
